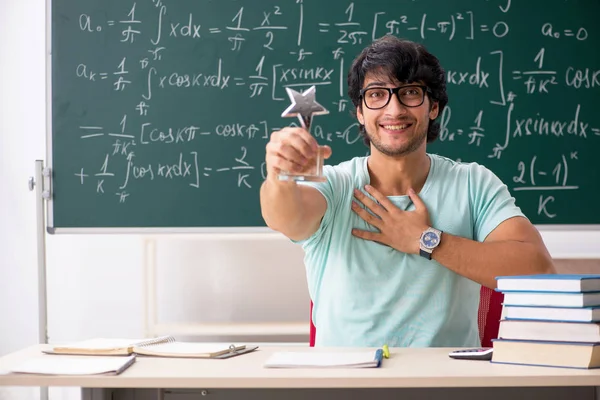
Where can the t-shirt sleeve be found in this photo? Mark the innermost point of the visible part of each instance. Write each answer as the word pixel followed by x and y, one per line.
pixel 331 190
pixel 491 202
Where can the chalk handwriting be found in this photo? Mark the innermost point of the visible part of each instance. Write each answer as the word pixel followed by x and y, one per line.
pixel 156 53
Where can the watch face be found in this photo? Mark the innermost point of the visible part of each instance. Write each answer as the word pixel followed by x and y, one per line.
pixel 430 240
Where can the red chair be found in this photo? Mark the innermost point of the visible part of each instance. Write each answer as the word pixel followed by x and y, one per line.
pixel 488 316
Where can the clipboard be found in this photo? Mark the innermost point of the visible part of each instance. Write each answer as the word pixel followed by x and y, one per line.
pixel 231 353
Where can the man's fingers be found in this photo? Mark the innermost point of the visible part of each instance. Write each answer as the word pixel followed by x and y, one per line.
pixel 284 155
pixel 373 236
pixel 291 148
pixel 302 145
pixel 383 200
pixel 376 208
pixel 299 138
pixel 291 154
pixel 365 215
pixel 419 205
pixel 281 164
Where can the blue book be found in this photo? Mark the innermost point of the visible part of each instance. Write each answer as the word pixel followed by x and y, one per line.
pixel 560 314
pixel 550 354
pixel 552 299
pixel 574 283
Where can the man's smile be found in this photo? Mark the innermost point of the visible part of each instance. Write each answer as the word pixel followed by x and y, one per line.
pixel 396 127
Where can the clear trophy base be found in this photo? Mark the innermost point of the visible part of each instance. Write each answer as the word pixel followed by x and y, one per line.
pixel 301 178
pixel 312 173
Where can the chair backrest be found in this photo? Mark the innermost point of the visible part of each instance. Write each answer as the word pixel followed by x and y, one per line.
pixel 313 330
pixel 488 317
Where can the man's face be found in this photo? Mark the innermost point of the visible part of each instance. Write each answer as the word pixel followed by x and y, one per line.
pixel 396 129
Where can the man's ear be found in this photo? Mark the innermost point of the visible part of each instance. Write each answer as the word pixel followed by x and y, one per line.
pixel 360 116
pixel 435 109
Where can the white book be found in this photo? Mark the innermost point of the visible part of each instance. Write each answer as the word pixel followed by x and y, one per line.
pixel 549 331
pixel 550 283
pixel 553 354
pixel 74 365
pixel 316 359
pixel 552 299
pixel 583 314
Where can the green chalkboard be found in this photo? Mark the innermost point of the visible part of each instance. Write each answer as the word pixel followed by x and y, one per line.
pixel 161 109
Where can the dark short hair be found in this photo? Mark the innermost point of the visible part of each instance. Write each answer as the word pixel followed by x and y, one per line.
pixel 405 61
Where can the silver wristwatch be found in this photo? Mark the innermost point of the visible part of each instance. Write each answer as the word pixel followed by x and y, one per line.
pixel 430 239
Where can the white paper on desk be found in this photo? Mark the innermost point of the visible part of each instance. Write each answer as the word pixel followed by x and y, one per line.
pixel 74 365
pixel 312 359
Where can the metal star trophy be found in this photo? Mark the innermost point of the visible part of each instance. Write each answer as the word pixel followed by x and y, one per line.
pixel 304 107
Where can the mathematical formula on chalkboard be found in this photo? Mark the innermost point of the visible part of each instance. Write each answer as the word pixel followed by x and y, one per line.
pixel 181 97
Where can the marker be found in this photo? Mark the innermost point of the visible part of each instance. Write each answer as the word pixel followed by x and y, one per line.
pixel 386 351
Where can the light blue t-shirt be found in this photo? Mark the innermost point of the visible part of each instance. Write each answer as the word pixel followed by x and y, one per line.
pixel 368 294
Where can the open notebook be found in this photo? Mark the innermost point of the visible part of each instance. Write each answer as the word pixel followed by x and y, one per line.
pixel 163 346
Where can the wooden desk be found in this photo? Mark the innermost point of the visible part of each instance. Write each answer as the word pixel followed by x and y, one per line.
pixel 414 373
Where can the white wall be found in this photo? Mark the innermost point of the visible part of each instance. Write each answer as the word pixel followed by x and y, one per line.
pixel 21 133
pixel 95 282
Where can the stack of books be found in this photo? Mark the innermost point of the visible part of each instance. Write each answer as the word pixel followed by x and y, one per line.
pixel 549 320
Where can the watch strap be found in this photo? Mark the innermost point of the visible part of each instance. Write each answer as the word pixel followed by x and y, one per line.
pixel 425 254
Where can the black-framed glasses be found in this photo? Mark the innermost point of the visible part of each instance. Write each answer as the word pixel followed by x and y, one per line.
pixel 379 97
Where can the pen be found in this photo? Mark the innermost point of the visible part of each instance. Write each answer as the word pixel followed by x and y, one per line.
pixel 386 351
pixel 378 357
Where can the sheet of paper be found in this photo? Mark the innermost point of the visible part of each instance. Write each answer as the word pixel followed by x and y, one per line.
pixel 314 359
pixel 72 365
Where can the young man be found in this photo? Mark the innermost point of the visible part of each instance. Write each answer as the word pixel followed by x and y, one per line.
pixel 397 244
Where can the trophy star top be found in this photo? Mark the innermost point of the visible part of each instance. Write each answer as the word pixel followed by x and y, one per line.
pixel 303 104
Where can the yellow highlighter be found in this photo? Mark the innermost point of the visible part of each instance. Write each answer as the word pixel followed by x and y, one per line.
pixel 386 351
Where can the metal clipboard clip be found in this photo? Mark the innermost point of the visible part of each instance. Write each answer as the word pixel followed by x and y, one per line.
pixel 234 351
